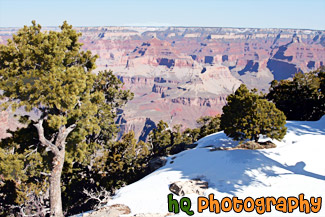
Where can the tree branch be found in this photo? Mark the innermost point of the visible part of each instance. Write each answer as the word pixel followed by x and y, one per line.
pixel 43 140
pixel 45 174
pixel 63 133
pixel 102 196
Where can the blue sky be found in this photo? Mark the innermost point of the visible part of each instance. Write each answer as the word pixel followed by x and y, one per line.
pixel 303 14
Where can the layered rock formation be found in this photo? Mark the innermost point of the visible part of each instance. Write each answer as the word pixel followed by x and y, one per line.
pixel 179 74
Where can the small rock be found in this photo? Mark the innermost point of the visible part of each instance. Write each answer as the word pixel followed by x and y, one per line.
pixel 113 211
pixel 181 188
pixel 157 162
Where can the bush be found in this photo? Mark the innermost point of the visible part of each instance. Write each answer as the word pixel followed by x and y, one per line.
pixel 246 116
pixel 208 125
pixel 301 98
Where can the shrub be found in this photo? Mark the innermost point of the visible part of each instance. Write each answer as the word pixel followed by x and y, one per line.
pixel 246 116
pixel 301 98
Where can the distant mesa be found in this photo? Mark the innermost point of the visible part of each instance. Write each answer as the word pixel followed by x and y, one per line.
pixel 187 72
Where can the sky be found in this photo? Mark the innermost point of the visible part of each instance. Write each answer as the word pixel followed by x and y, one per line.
pixel 301 14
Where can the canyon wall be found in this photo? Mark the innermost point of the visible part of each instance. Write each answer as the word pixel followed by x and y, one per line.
pixel 180 73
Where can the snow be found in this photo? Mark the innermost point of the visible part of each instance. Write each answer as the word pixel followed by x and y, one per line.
pixel 296 166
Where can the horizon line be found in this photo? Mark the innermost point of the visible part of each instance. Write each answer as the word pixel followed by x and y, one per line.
pixel 176 26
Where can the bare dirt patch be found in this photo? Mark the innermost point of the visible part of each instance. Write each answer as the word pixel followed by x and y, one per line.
pixel 250 145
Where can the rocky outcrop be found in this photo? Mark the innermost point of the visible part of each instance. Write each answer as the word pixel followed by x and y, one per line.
pixel 115 210
pixel 157 162
pixel 195 186
pixel 207 102
pixel 161 89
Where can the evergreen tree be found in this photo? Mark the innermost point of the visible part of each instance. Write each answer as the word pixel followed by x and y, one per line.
pixel 321 76
pixel 191 135
pixel 246 115
pixel 208 125
pixel 160 139
pixel 124 162
pixel 24 166
pixel 301 98
pixel 176 135
pixel 49 72
pixel 165 141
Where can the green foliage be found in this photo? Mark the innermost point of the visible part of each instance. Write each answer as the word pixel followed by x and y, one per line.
pixel 114 98
pixel 247 115
pixel 302 98
pixel 208 125
pixel 8 198
pixel 160 138
pixel 23 164
pixel 126 155
pixel 114 165
pixel 166 141
pixel 179 142
pixel 49 73
pixel 321 76
pixel 191 135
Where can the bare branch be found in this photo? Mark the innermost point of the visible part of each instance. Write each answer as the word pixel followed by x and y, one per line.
pixel 45 174
pixel 43 140
pixel 32 152
pixel 102 196
pixel 63 133
pixel 53 137
pixel 34 206
pixel 70 128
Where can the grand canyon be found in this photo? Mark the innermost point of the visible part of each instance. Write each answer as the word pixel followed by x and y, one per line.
pixel 178 74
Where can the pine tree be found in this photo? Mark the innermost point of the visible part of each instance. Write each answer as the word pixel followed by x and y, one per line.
pixel 321 76
pixel 23 168
pixel 191 135
pixel 301 98
pixel 160 139
pixel 247 116
pixel 208 125
pixel 176 136
pixel 123 161
pixel 49 72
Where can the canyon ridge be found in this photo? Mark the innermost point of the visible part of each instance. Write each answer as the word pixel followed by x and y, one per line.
pixel 179 74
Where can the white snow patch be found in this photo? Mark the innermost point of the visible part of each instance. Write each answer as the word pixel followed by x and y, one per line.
pixel 296 166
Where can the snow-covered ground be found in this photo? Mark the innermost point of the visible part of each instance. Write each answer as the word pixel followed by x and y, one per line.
pixel 296 166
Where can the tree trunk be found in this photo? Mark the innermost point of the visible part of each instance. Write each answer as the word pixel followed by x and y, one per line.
pixel 58 150
pixel 55 185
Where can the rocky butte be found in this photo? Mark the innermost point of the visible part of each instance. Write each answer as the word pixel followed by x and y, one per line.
pixel 181 73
